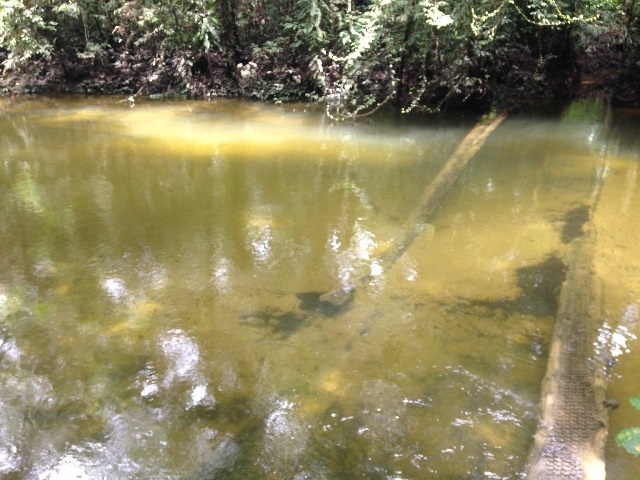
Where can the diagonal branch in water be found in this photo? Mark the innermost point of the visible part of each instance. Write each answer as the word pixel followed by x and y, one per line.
pixel 431 198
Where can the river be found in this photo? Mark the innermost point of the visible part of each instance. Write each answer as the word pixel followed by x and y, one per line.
pixel 162 266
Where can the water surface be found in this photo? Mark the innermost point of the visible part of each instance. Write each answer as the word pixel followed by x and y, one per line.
pixel 161 267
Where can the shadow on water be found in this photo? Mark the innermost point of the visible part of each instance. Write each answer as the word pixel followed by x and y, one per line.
pixel 312 302
pixel 282 325
pixel 540 285
pixel 572 223
pixel 285 324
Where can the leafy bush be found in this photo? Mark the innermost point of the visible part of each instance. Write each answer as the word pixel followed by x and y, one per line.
pixel 359 53
pixel 24 32
pixel 629 438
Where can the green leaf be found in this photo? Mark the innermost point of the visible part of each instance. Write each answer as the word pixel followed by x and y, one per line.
pixel 438 19
pixel 635 401
pixel 629 439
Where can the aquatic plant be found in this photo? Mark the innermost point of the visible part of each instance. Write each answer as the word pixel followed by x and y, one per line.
pixel 629 438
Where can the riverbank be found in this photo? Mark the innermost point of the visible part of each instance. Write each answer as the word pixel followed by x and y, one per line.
pixel 354 55
pixel 514 79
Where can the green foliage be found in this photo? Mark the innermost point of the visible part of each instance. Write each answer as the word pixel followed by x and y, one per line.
pixel 629 438
pixel 23 31
pixel 168 25
pixel 305 25
pixel 359 53
pixel 420 51
pixel 208 28
pixel 306 28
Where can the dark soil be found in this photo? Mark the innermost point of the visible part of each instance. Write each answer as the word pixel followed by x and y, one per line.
pixel 514 77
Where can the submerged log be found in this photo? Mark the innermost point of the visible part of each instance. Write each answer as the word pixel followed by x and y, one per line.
pixel 573 425
pixel 428 203
pixel 574 413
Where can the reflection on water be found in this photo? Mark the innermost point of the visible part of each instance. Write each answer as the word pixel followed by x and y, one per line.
pixel 162 271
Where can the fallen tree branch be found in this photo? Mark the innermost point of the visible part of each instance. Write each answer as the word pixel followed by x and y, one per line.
pixel 429 201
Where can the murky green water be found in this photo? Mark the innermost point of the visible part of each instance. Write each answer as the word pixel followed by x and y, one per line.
pixel 160 273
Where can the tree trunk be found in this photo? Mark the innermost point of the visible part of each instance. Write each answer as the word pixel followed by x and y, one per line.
pixel 401 91
pixel 229 37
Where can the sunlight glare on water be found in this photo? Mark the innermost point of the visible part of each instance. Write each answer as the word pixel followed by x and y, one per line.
pixel 163 265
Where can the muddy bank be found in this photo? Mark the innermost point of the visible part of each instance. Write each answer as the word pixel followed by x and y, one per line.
pixel 515 78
